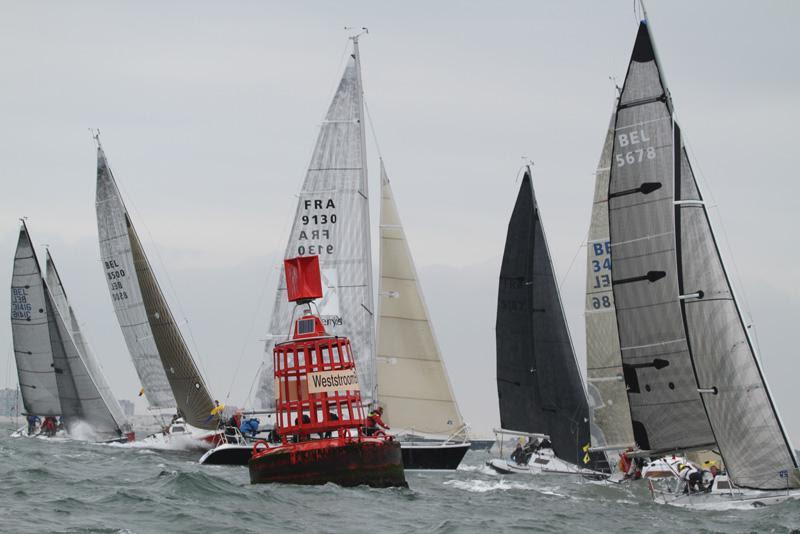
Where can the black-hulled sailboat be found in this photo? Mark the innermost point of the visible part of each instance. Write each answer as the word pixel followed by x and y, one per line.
pixel 539 384
pixel 693 377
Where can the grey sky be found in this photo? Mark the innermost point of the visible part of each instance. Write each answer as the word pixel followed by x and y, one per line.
pixel 209 112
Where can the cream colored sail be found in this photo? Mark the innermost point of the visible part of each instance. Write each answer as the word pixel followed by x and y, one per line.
pixel 413 386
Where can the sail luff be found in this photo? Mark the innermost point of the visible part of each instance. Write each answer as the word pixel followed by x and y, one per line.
pixel 31 332
pixel 412 380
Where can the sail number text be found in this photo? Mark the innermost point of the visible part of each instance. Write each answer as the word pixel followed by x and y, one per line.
pixel 320 238
pixel 601 273
pixel 115 274
pixel 635 155
pixel 20 307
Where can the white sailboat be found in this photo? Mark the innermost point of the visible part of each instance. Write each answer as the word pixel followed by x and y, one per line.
pixel 693 377
pixel 51 351
pixel 333 221
pixel 169 376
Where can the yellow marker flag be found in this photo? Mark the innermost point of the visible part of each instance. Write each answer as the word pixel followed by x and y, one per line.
pixel 141 392
pixel 586 458
pixel 585 448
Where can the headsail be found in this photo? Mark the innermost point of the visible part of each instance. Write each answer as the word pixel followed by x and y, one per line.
pixel 332 221
pixel 154 340
pixel 666 408
pixel 746 426
pixel 413 386
pixel 98 406
pixel 539 384
pixel 31 332
pixel 609 409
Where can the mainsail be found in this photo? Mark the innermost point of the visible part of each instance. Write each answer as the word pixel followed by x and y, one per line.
pixel 165 366
pixel 692 373
pixel 98 406
pixel 332 221
pixel 30 328
pixel 413 386
pixel 539 384
pixel 610 413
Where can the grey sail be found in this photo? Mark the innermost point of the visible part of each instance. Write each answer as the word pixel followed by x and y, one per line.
pixel 332 221
pixel 64 353
pixel 751 439
pixel 126 296
pixel 99 408
pixel 31 333
pixel 609 409
pixel 413 385
pixel 125 261
pixel 539 384
pixel 666 409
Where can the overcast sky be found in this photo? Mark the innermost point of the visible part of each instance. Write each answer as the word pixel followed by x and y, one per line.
pixel 209 112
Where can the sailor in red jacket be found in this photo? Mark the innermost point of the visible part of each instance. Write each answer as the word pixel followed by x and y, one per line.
pixel 374 421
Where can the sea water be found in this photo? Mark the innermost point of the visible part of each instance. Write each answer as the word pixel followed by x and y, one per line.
pixel 75 486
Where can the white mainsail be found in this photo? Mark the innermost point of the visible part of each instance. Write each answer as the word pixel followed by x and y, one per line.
pixel 31 333
pixel 165 366
pixel 610 413
pixel 332 221
pixel 413 386
pixel 99 407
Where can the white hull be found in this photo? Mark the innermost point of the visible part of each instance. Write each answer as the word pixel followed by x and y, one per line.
pixel 541 463
pixel 183 436
pixel 723 497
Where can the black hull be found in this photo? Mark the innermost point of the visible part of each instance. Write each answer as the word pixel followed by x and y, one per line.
pixel 433 456
pixel 228 455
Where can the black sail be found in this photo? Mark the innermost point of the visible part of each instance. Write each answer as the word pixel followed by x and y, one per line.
pixel 538 382
pixel 666 409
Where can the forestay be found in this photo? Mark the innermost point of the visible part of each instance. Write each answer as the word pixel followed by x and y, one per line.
pixel 538 381
pixel 31 333
pixel 413 386
pixel 142 309
pixel 609 409
pixel 332 221
pixel 98 406
pixel 666 408
pixel 117 260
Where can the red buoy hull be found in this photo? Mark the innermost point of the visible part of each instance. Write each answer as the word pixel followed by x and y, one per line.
pixel 371 462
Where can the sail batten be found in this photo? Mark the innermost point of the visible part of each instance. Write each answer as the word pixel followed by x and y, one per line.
pixel 332 221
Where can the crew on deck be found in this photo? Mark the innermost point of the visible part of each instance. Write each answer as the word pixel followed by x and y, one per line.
pixel 374 422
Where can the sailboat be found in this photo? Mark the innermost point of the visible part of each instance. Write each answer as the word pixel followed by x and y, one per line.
pixel 693 376
pixel 168 373
pixel 57 374
pixel 333 221
pixel 539 385
pixel 413 385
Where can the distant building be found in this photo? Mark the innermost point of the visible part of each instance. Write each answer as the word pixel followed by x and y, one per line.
pixel 10 402
pixel 127 407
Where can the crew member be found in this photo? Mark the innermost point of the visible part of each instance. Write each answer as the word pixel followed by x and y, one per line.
pixel 374 421
pixel 519 454
pixel 33 420
pixel 691 476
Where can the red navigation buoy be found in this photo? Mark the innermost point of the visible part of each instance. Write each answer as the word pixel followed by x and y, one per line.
pixel 319 416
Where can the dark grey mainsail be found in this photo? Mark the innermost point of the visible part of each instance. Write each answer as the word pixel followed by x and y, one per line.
pixel 136 293
pixel 30 329
pixel 666 410
pixel 539 384
pixel 97 404
pixel 693 377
